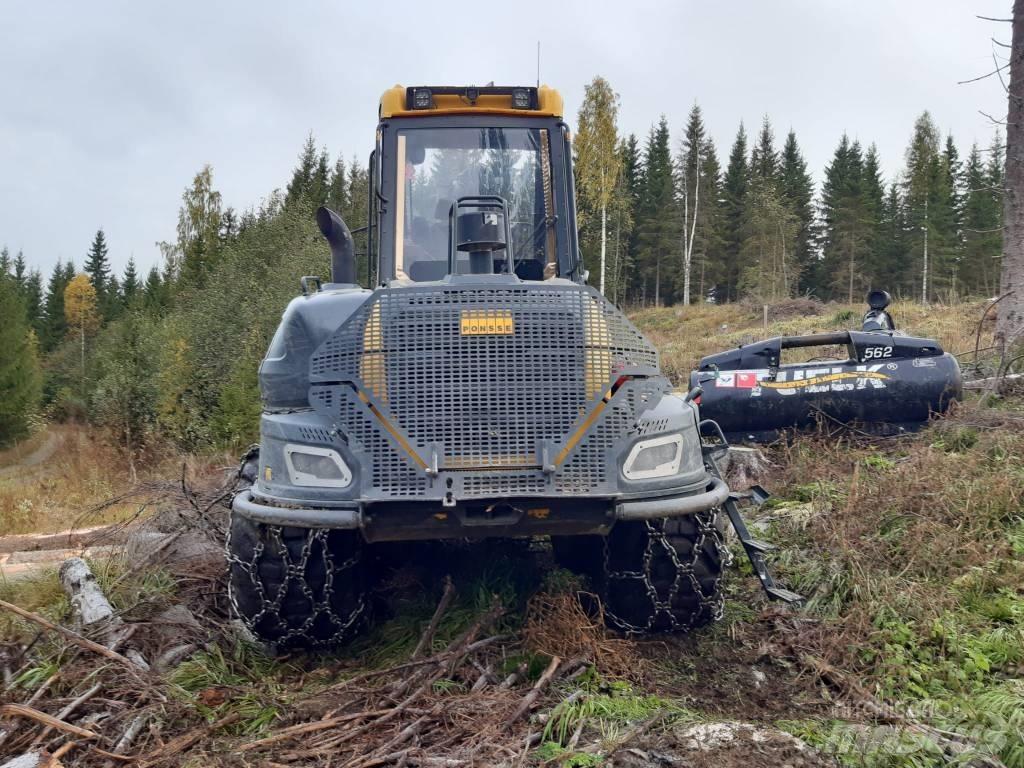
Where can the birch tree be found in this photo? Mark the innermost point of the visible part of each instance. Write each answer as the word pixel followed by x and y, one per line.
pixel 597 160
pixel 80 309
pixel 691 181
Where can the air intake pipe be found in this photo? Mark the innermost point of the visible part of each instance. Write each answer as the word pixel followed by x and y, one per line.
pixel 343 247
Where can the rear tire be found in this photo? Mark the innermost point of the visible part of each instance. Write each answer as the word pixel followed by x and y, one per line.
pixel 654 576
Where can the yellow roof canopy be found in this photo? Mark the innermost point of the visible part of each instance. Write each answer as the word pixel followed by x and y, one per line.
pixel 422 101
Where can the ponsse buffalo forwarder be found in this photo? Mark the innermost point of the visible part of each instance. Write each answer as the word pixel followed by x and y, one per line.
pixel 479 389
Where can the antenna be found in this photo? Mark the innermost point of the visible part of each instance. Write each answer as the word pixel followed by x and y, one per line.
pixel 538 63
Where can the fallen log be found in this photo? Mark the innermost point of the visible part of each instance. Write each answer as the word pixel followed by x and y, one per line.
pixel 88 602
pixel 91 606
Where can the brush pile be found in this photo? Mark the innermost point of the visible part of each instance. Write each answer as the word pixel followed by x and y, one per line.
pixel 167 678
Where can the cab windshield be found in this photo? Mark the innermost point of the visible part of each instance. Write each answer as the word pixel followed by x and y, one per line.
pixel 437 166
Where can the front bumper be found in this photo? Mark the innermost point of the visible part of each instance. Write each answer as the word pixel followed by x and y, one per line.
pixel 398 521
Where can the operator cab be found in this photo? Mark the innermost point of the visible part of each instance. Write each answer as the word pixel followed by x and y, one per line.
pixel 472 181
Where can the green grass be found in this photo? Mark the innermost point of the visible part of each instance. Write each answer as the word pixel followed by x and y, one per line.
pixel 249 680
pixel 912 561
pixel 607 708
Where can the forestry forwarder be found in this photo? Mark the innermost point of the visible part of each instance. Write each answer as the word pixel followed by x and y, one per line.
pixel 479 389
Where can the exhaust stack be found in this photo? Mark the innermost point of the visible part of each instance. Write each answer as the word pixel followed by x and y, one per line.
pixel 343 247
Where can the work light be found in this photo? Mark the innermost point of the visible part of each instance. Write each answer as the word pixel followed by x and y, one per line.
pixel 311 465
pixel 422 98
pixel 520 98
pixel 658 457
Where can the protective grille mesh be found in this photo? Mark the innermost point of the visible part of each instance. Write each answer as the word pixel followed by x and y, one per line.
pixel 586 469
pixel 485 401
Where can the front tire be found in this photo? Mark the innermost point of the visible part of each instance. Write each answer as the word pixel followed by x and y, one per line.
pixel 296 587
pixel 654 576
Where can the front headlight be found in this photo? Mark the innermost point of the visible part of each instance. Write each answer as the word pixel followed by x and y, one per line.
pixel 310 465
pixel 657 457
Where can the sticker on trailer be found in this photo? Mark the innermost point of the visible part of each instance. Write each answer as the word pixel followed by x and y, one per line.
pixel 746 380
pixel 725 379
pixel 813 380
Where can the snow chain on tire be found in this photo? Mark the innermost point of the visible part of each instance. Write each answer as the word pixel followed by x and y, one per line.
pixel 673 583
pixel 294 587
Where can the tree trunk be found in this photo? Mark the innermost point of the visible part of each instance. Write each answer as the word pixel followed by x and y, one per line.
pixel 1010 320
pixel 604 241
pixel 617 269
pixel 924 269
pixel 688 239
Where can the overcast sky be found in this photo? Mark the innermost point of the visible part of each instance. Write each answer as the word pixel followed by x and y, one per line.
pixel 108 109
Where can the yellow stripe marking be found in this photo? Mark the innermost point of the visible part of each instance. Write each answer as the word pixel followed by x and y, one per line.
pixel 578 434
pixel 392 431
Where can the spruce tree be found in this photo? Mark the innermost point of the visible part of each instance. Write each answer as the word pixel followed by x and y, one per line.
pixel 798 191
pixel 154 296
pixel 32 295
pixel 845 230
pixel 735 187
pixel 19 365
pixel 922 180
pixel 229 226
pixel 354 211
pixel 631 179
pixel 949 217
pixel 97 265
pixel 893 258
pixel 54 322
pixel 982 222
pixel 337 187
pixel 709 244
pixel 5 261
pixel 656 220
pixel 764 159
pixel 130 284
pixel 20 272
pixel 768 270
pixel 872 190
pixel 320 183
pixel 621 221
pixel 302 177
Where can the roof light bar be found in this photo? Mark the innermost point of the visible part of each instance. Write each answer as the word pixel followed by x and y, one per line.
pixel 422 97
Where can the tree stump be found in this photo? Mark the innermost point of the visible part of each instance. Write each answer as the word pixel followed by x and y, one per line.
pixel 743 467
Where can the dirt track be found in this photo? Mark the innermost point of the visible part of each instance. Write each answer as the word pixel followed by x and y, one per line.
pixel 39 456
